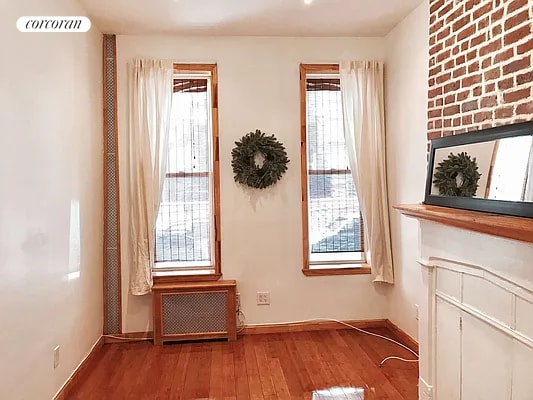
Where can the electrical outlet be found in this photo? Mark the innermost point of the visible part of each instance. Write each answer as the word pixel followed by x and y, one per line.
pixel 238 301
pixel 56 357
pixel 263 298
pixel 416 312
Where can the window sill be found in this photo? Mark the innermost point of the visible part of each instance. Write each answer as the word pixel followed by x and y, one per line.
pixel 175 277
pixel 361 269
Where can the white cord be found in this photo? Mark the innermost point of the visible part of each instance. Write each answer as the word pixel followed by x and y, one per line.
pixel 241 319
pixel 127 338
pixel 396 358
pixel 242 322
pixel 359 330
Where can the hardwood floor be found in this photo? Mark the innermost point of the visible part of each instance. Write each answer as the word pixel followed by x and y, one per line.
pixel 341 364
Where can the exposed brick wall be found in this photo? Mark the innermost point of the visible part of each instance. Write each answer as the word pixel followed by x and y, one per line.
pixel 480 64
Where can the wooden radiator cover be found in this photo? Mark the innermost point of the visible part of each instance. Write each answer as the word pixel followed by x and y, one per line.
pixel 195 310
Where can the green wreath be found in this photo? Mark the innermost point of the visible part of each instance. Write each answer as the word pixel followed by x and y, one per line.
pixel 245 169
pixel 457 166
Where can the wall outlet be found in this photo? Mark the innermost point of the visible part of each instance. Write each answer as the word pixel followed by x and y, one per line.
pixel 416 312
pixel 56 357
pixel 263 298
pixel 238 301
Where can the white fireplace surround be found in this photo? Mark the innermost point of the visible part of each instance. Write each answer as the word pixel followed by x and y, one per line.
pixel 476 315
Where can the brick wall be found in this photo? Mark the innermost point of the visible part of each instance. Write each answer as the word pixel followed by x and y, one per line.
pixel 480 64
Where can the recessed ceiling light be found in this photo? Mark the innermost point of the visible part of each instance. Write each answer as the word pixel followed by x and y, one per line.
pixel 308 1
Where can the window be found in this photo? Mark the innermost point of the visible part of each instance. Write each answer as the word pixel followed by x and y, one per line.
pixel 332 224
pixel 187 229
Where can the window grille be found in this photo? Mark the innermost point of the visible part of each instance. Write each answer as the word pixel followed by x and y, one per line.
pixel 185 222
pixel 334 219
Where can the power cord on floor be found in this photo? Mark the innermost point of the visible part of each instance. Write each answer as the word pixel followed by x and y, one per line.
pixel 241 325
pixel 362 331
pixel 127 338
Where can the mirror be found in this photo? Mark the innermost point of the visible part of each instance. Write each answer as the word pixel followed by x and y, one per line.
pixel 488 170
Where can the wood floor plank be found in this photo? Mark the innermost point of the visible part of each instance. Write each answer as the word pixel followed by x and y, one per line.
pixel 301 365
pixel 396 371
pixel 140 388
pixel 390 383
pixel 198 375
pixel 228 375
pixel 279 350
pixel 165 366
pixel 351 365
pixel 254 380
pixel 300 368
pixel 370 378
pixel 278 377
pixel 103 373
pixel 241 374
pixel 176 387
pixel 135 359
pixel 216 382
pixel 269 391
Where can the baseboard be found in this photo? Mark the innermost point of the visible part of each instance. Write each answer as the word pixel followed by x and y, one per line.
pixel 311 326
pixel 129 337
pixel 79 372
pixel 404 337
pixel 288 327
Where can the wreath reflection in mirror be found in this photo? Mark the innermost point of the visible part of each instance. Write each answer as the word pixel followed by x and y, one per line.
pixel 457 176
pixel 258 160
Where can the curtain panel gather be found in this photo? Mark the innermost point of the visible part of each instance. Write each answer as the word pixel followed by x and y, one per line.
pixel 150 105
pixel 364 131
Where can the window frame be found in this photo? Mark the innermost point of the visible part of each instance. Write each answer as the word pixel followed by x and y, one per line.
pixel 328 267
pixel 213 272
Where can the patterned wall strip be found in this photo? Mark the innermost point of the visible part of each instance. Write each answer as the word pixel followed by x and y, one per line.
pixel 112 274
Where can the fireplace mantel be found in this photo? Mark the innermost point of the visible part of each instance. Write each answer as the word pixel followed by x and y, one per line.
pixel 476 294
pixel 509 227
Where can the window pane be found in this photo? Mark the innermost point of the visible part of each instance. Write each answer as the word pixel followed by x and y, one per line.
pixel 183 228
pixel 184 224
pixel 325 137
pixel 334 217
pixel 189 148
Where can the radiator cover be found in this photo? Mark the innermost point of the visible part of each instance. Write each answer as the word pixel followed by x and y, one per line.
pixel 201 310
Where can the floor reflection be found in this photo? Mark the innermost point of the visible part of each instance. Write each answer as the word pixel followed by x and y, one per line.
pixel 347 393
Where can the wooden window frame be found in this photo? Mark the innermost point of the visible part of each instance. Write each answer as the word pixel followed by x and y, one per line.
pixel 359 268
pixel 162 276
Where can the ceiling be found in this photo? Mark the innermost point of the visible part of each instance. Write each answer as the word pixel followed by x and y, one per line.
pixel 249 17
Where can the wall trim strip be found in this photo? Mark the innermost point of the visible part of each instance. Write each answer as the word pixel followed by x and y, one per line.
pixel 112 265
pixel 311 326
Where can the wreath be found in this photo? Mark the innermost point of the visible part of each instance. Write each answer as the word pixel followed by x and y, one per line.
pixel 247 171
pixel 457 176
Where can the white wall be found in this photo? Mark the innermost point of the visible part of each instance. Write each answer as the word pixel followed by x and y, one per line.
pixel 51 158
pixel 261 230
pixel 406 74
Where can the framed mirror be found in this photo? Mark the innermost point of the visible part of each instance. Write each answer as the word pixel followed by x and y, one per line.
pixel 490 170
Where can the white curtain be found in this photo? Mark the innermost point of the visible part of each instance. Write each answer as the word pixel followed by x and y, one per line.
pixel 364 131
pixel 150 104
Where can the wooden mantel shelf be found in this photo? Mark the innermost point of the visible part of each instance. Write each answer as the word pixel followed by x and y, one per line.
pixel 509 227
